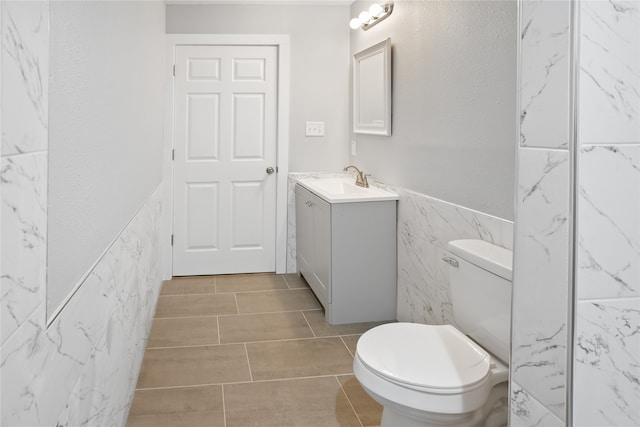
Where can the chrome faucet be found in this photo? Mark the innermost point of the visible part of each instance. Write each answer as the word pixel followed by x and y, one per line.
pixel 361 178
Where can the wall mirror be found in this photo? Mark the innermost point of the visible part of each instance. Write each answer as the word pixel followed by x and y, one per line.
pixel 372 90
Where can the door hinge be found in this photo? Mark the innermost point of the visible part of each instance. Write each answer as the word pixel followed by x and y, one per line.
pixel 173 154
pixel 172 240
pixel 174 70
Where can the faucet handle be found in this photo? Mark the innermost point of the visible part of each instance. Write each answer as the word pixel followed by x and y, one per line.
pixel 365 183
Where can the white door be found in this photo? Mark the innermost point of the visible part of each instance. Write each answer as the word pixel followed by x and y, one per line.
pixel 225 112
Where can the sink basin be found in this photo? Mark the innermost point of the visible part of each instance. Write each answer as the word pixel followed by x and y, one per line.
pixel 342 190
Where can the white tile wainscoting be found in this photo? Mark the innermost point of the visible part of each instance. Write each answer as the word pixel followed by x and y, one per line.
pixel 83 367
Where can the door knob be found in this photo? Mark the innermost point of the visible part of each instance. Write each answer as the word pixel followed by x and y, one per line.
pixel 270 170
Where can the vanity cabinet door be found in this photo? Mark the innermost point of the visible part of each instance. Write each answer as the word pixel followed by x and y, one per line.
pixel 322 246
pixel 313 243
pixel 304 232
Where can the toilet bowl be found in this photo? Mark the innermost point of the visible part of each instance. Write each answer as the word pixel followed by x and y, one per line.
pixel 436 375
pixel 427 375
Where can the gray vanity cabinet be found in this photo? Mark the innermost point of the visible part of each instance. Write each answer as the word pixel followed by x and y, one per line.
pixel 347 254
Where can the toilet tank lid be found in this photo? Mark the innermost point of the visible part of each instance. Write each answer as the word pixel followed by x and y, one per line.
pixel 485 255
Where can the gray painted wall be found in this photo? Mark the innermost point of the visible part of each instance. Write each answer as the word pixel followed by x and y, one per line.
pixel 454 102
pixel 319 68
pixel 105 129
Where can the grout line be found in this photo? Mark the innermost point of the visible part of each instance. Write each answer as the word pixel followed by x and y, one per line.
pixel 347 347
pixel 309 377
pixel 282 340
pixel 286 282
pixel 307 320
pixel 194 316
pixel 252 342
pixel 349 400
pixel 257 342
pixel 216 292
pixel 239 314
pixel 224 408
pixel 246 353
pixel 199 294
pixel 235 297
pixel 270 312
pixel 291 286
pixel 218 326
pixel 187 317
pixel 192 346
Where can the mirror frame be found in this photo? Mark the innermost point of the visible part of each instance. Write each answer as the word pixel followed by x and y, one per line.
pixel 376 127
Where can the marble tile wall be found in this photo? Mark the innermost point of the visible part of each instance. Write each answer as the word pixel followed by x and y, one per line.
pixel 527 411
pixel 544 72
pixel 425 226
pixel 540 328
pixel 81 369
pixel 607 319
pixel 23 169
pixel 541 274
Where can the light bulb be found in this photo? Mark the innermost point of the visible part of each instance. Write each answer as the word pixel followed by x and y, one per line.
pixel 376 10
pixel 355 23
pixel 364 16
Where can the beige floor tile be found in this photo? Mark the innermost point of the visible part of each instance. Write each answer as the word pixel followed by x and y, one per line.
pixel 369 411
pixel 195 305
pixel 274 301
pixel 299 358
pixel 322 329
pixel 295 281
pixel 249 282
pixel 186 419
pixel 179 399
pixel 189 285
pixel 307 402
pixel 183 366
pixel 184 331
pixel 263 327
pixel 351 341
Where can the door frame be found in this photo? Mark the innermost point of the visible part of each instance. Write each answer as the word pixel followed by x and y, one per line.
pixel 281 41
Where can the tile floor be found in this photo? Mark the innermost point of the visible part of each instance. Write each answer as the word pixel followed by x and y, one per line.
pixel 248 350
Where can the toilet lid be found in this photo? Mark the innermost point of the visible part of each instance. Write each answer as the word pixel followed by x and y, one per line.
pixel 425 356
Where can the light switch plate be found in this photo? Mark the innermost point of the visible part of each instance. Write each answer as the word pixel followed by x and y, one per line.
pixel 354 148
pixel 314 129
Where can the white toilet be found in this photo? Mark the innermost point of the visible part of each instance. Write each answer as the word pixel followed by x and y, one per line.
pixel 427 375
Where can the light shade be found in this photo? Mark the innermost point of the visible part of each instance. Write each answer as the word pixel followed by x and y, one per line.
pixel 364 16
pixel 375 10
pixel 355 23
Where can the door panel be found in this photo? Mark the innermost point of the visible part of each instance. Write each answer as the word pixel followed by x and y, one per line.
pixel 201 208
pixel 248 126
pixel 202 136
pixel 248 210
pixel 225 139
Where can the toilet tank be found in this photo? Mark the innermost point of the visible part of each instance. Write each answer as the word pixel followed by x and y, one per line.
pixel 480 276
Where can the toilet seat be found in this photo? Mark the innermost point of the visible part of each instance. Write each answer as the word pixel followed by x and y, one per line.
pixel 431 368
pixel 436 359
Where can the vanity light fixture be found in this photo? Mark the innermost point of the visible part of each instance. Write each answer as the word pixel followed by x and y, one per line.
pixel 371 17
